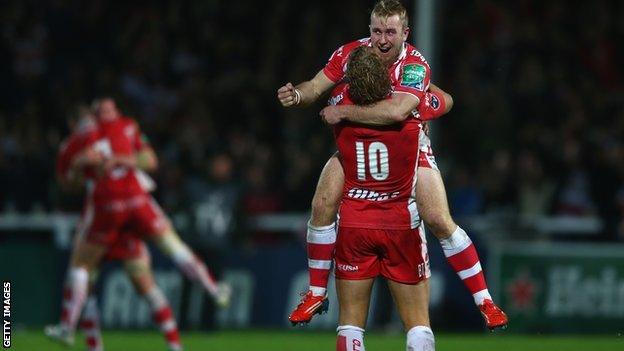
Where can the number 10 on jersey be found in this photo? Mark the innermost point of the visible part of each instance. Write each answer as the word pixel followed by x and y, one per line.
pixel 378 164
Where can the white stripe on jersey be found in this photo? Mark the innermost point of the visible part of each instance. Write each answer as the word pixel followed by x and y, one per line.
pixel 412 207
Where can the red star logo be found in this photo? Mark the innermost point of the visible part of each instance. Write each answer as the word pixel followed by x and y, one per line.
pixel 521 292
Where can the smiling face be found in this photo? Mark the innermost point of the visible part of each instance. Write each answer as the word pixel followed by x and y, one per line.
pixel 106 110
pixel 387 36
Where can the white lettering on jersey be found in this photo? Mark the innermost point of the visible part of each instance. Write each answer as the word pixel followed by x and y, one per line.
pixel 371 195
pixel 419 55
pixel 335 100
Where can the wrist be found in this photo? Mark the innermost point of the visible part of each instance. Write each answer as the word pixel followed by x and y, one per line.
pixel 343 112
pixel 297 96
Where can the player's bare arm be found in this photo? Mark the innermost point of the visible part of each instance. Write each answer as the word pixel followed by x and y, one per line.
pixel 145 160
pixel 304 93
pixel 89 157
pixel 383 112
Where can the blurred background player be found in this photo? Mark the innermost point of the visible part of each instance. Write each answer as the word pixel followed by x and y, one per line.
pixel 115 159
pixel 128 248
pixel 380 233
pixel 410 75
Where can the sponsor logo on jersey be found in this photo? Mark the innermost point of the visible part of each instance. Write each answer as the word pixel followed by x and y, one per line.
pixel 129 131
pixel 435 102
pixel 371 195
pixel 414 76
pixel 347 268
pixel 334 100
pixel 419 55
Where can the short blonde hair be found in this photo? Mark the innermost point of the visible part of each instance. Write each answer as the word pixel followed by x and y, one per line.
pixel 388 8
pixel 367 76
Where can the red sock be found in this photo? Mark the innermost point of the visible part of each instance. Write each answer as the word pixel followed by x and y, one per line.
pixel 163 317
pixel 462 256
pixel 321 242
pixel 167 324
pixel 90 325
pixel 74 296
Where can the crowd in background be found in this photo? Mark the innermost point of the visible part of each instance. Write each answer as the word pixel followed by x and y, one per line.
pixel 537 126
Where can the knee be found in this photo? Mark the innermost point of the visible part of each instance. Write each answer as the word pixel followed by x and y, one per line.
pixel 440 223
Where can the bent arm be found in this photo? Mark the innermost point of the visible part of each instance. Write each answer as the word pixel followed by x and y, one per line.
pixel 304 93
pixel 393 110
pixel 448 99
pixel 145 160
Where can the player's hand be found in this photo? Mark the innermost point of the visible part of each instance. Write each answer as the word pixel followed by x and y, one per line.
pixel 93 156
pixel 425 127
pixel 331 115
pixel 89 157
pixel 287 95
pixel 109 164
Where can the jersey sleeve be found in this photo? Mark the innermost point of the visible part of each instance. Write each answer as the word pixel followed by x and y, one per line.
pixel 432 106
pixel 334 69
pixel 140 141
pixel 414 78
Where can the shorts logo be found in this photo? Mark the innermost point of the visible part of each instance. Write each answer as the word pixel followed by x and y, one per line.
pixel 435 102
pixel 347 268
pixel 414 76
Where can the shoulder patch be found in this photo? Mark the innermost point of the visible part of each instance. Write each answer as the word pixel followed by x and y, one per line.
pixel 435 103
pixel 414 76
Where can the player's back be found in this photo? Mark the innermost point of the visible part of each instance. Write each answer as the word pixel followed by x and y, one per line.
pixel 76 142
pixel 379 165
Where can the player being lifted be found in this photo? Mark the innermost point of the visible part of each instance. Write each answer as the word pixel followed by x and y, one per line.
pixel 128 248
pixel 410 74
pixel 121 200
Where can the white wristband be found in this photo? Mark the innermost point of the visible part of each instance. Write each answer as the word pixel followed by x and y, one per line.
pixel 297 96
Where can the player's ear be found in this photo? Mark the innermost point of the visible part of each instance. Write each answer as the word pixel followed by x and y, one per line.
pixel 406 31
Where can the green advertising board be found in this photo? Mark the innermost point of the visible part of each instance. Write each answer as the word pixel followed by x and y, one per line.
pixel 560 287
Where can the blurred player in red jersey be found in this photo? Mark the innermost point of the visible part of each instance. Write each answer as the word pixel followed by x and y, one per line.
pixel 115 160
pixel 380 231
pixel 128 248
pixel 410 74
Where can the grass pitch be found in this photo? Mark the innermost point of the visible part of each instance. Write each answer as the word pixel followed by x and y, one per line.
pixel 301 340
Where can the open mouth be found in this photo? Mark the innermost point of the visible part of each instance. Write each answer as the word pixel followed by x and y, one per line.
pixel 384 50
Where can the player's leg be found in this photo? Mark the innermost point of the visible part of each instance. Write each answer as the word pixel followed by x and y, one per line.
pixel 321 240
pixel 412 301
pixel 158 228
pixel 407 277
pixel 457 246
pixel 321 236
pixel 85 258
pixel 357 265
pixel 140 273
pixel 97 232
pixel 353 301
pixel 193 268
pixel 90 321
